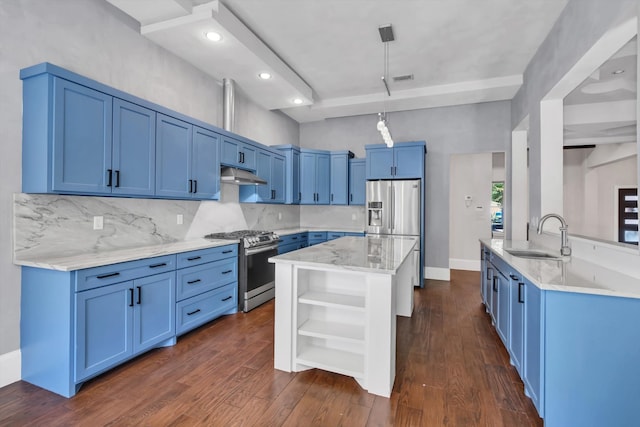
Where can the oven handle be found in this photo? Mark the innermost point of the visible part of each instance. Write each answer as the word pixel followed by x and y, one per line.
pixel 260 249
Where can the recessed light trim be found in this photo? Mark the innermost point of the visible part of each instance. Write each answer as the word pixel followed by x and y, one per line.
pixel 616 72
pixel 213 36
pixel 265 76
pixel 297 101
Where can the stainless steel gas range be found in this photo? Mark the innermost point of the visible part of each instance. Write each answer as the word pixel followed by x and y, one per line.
pixel 256 276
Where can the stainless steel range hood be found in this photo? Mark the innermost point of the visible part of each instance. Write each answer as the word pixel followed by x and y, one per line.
pixel 239 177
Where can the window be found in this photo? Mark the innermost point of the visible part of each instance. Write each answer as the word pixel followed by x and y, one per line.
pixel 497 193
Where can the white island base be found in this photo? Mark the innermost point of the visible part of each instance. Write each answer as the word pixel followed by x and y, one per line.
pixel 341 320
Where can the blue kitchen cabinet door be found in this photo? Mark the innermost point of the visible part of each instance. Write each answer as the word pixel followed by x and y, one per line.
pixel 205 165
pixel 154 310
pixel 104 331
pixel 263 170
pixel 278 179
pixel 533 345
pixel 295 178
pixel 516 324
pixel 380 163
pixel 134 140
pixel 357 182
pixel 308 178
pixel 408 161
pixel 291 188
pixel 173 157
pixel 82 131
pixel 339 181
pixel 238 154
pixel 502 321
pixel 323 179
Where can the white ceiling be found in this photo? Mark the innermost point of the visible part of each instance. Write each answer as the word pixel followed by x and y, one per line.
pixel 329 52
pixel 602 109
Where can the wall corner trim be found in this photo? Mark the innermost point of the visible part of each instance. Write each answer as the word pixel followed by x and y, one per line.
pixel 464 264
pixel 10 367
pixel 436 273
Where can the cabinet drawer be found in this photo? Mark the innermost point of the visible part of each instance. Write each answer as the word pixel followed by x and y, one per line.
pixel 197 310
pixel 283 249
pixel 334 235
pixel 201 278
pixel 203 256
pixel 291 238
pixel 317 235
pixel 96 277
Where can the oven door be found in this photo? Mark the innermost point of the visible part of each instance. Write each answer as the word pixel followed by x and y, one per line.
pixel 261 275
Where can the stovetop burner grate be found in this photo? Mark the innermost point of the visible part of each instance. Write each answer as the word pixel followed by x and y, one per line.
pixel 237 234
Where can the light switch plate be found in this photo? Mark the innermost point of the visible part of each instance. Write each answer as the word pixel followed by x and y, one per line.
pixel 98 222
pixel 180 219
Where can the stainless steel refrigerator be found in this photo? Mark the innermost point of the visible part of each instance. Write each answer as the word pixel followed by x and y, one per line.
pixel 393 208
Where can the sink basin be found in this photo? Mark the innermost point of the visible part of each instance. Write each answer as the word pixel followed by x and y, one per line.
pixel 530 253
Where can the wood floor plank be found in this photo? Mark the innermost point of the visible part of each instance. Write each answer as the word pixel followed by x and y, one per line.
pixel 452 369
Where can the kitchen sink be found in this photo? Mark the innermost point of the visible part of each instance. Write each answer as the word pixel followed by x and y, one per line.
pixel 534 254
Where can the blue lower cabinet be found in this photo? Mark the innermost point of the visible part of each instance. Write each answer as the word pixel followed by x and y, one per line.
pixel 78 324
pixel 354 233
pixel 316 237
pixel 331 235
pixel 200 309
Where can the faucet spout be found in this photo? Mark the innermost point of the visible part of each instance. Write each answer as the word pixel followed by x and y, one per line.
pixel 565 250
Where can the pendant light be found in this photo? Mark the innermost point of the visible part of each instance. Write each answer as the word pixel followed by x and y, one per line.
pixel 386 35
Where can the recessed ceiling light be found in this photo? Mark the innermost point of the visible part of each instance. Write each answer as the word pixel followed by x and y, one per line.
pixel 620 71
pixel 264 76
pixel 297 101
pixel 213 36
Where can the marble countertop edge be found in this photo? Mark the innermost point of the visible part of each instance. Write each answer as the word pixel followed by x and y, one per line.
pixel 568 275
pixel 101 258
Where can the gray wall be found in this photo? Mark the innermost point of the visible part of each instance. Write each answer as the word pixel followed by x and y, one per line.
pixel 476 128
pixel 580 25
pixel 96 40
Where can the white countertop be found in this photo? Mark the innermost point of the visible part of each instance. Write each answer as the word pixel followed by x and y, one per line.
pixel 379 254
pixel 96 259
pixel 288 231
pixel 569 275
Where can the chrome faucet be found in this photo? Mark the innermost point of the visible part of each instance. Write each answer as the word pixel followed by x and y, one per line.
pixel 565 250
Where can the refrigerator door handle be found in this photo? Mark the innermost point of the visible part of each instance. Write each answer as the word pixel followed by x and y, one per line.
pixel 393 208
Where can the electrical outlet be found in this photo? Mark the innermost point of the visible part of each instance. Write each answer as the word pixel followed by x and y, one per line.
pixel 279 216
pixel 353 217
pixel 180 219
pixel 98 222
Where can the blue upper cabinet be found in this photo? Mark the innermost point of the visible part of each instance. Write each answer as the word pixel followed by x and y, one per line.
pixel 270 167
pixel 82 128
pixel 134 139
pixel 402 161
pixel 291 154
pixel 205 164
pixel 98 144
pixel 315 177
pixel 186 160
pixel 357 181
pixel 340 177
pixel 173 158
pixel 239 154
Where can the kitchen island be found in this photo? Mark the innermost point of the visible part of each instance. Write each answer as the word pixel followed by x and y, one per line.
pixel 336 305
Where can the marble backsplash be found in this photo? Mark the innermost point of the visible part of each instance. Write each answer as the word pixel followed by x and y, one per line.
pixel 47 224
pixel 336 217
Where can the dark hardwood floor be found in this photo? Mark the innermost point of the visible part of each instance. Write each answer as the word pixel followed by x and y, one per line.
pixel 452 370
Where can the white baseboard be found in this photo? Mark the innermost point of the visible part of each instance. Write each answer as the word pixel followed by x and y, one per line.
pixel 464 264
pixel 436 273
pixel 10 368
